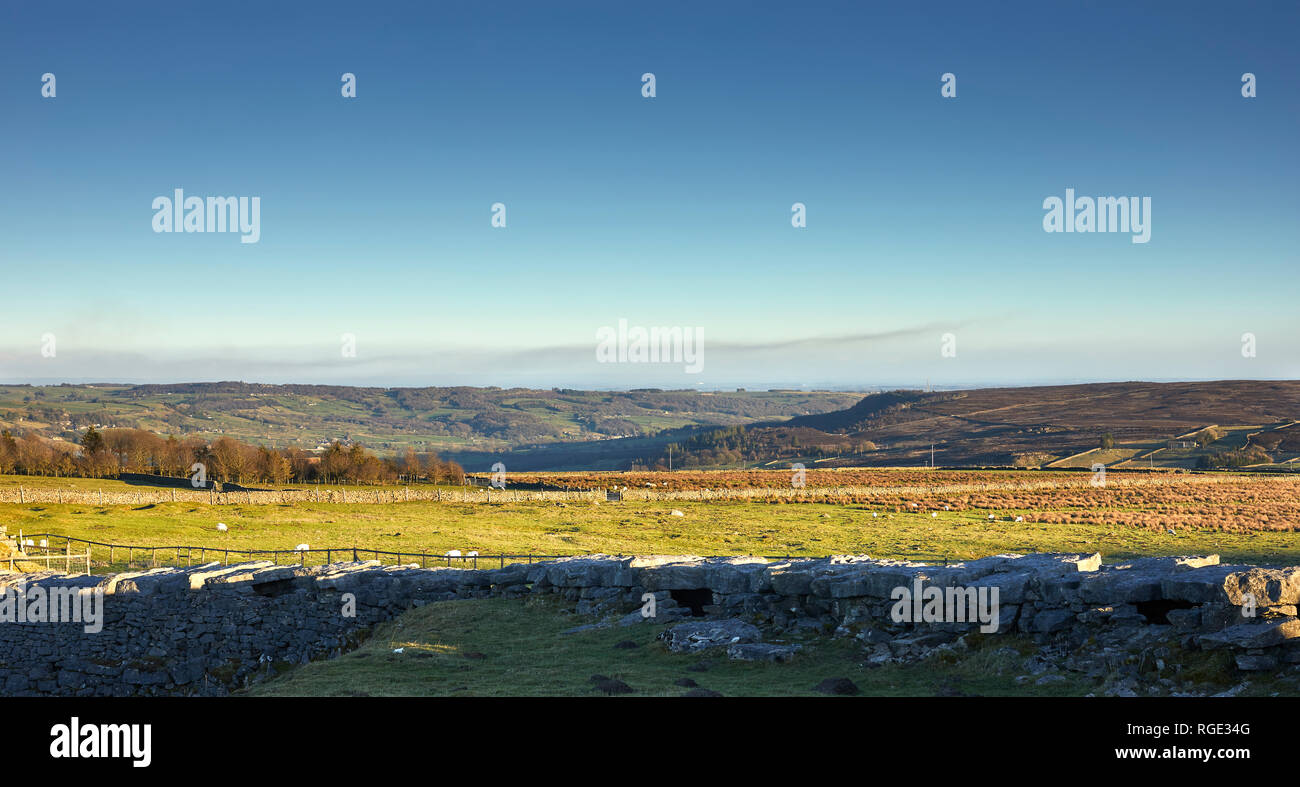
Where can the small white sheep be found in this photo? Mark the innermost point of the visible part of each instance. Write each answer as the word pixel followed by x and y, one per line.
pixel 221 527
pixel 301 548
pixel 452 553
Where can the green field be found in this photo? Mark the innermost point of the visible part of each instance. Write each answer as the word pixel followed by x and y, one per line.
pixel 500 647
pixel 707 528
pixel 1106 456
pixel 511 648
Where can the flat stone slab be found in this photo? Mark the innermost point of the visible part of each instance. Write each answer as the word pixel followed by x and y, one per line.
pixel 1253 635
pixel 145 582
pixel 253 574
pixel 705 634
pixel 211 571
pixel 1232 584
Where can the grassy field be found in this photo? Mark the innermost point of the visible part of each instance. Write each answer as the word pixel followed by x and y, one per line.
pixel 498 647
pixel 506 647
pixel 1105 456
pixel 502 647
pixel 706 528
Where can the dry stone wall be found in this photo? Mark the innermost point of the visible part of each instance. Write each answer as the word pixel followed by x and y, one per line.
pixel 211 629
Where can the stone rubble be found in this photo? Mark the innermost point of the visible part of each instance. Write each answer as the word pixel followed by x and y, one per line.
pixel 211 629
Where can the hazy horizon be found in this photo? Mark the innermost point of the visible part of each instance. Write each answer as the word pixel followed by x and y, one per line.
pixel 721 388
pixel 924 255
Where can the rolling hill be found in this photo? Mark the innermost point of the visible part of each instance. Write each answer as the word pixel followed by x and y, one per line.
pixel 387 420
pixel 1149 424
pixel 1036 426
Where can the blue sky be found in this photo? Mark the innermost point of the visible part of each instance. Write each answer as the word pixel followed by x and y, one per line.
pixel 924 213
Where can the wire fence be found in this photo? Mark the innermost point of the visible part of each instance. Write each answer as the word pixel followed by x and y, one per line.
pixel 49 558
pixel 54 547
pixel 102 554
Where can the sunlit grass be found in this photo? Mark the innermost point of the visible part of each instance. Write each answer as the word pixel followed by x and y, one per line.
pixel 709 528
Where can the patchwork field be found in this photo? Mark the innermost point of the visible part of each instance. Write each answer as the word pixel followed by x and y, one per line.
pixel 544 647
pixel 926 515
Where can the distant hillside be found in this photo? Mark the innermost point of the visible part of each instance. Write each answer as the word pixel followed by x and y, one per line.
pixel 1225 423
pixel 1145 424
pixel 391 419
pixel 999 425
pixel 872 409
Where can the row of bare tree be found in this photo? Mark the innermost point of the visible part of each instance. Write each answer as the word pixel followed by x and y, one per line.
pixel 111 451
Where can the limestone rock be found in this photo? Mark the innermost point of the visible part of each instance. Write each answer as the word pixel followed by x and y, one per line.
pixel 702 635
pixel 760 651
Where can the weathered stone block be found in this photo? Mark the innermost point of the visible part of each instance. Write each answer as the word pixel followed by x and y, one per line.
pixel 701 635
pixel 1253 635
